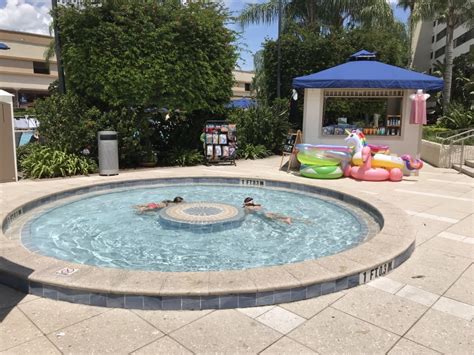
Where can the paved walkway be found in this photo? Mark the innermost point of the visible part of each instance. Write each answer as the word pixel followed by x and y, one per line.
pixel 426 306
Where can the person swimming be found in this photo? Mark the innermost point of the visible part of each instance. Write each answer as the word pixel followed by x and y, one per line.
pixel 251 207
pixel 154 206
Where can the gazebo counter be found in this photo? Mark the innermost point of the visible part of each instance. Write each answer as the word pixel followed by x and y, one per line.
pixel 110 287
pixel 409 142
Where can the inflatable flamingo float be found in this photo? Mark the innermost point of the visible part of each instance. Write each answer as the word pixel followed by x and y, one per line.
pixel 366 172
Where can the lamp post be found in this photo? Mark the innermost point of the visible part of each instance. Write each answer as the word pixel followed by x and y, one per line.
pixel 279 51
pixel 57 49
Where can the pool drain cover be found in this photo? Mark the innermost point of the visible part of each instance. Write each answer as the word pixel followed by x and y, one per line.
pixel 202 216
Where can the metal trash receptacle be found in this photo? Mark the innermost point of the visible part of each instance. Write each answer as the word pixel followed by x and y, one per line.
pixel 108 153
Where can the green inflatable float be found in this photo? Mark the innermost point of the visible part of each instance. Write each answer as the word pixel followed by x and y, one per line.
pixel 316 159
pixel 321 172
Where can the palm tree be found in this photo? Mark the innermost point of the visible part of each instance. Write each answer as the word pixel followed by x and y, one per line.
pixel 319 14
pixel 453 13
pixel 409 5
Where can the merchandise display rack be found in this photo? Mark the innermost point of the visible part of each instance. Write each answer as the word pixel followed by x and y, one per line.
pixel 220 142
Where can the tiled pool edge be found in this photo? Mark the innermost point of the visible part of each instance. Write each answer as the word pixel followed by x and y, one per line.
pixel 186 302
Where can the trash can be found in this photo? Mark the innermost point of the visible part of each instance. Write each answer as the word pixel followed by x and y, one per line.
pixel 108 153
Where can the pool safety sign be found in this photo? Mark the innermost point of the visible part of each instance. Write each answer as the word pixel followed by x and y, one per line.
pixel 376 272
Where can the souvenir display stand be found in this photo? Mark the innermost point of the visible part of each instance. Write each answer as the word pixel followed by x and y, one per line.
pixel 220 142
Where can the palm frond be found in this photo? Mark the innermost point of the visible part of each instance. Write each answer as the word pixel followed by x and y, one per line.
pixel 266 12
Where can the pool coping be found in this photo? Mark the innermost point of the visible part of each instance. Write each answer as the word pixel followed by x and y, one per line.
pixel 99 286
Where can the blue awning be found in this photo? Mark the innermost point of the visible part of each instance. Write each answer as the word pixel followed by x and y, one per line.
pixel 242 103
pixel 360 73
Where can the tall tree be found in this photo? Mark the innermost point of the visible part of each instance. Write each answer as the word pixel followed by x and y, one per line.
pixel 409 5
pixel 453 13
pixel 318 15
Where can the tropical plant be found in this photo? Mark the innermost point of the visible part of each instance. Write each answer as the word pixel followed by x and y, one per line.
pixel 47 162
pixel 457 117
pixel 126 60
pixel 24 150
pixel 143 54
pixel 250 151
pixel 432 133
pixel 264 124
pixel 453 13
pixel 319 15
pixel 304 52
pixel 183 157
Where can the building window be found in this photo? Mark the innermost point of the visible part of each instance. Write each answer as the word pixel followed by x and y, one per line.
pixel 464 38
pixel 440 52
pixel 40 68
pixel 434 23
pixel 247 86
pixel 441 35
pixel 432 55
pixel 432 39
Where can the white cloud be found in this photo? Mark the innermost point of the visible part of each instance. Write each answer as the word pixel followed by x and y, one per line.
pixel 26 16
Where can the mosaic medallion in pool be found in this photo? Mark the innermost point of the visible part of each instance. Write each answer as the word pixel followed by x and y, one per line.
pixel 202 216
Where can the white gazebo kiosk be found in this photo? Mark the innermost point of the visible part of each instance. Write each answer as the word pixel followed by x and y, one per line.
pixel 370 85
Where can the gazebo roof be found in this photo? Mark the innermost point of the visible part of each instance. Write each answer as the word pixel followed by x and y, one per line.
pixel 363 72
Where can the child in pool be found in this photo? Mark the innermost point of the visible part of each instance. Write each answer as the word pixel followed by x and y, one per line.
pixel 251 207
pixel 153 206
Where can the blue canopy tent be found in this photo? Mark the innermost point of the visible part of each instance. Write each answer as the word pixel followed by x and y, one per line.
pixel 242 103
pixel 363 71
pixel 365 79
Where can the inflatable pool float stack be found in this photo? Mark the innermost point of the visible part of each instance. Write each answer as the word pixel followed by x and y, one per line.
pixel 322 161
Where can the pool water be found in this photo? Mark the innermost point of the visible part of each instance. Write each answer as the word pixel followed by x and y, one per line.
pixel 105 230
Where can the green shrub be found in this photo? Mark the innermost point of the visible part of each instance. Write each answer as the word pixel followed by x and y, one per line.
pixel 24 150
pixel 251 151
pixel 262 125
pixel 432 133
pixel 457 117
pixel 46 162
pixel 183 157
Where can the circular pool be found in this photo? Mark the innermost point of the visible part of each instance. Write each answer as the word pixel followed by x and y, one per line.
pixel 106 230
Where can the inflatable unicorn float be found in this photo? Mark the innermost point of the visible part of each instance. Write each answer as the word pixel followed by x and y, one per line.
pixel 357 159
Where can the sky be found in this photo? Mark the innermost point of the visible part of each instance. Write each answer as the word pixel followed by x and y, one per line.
pixel 33 16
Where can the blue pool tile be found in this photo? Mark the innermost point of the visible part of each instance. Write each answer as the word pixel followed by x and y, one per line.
pixel 247 300
pixel 210 302
pixel 98 300
pixel 50 293
pixel 265 298
pixel 82 298
pixel 134 302
pixel 152 303
pixel 231 301
pixel 313 291
pixel 171 303
pixel 328 287
pixel 341 284
pixel 65 294
pixel 36 289
pixel 298 293
pixel 115 301
pixel 352 280
pixel 282 296
pixel 191 303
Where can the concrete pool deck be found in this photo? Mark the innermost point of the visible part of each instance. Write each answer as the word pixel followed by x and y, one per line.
pixel 426 305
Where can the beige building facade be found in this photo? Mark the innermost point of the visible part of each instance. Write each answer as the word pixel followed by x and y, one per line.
pixel 242 84
pixel 24 71
pixel 429 44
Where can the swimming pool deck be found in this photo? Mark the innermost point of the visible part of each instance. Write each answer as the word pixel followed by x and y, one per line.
pixel 424 306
